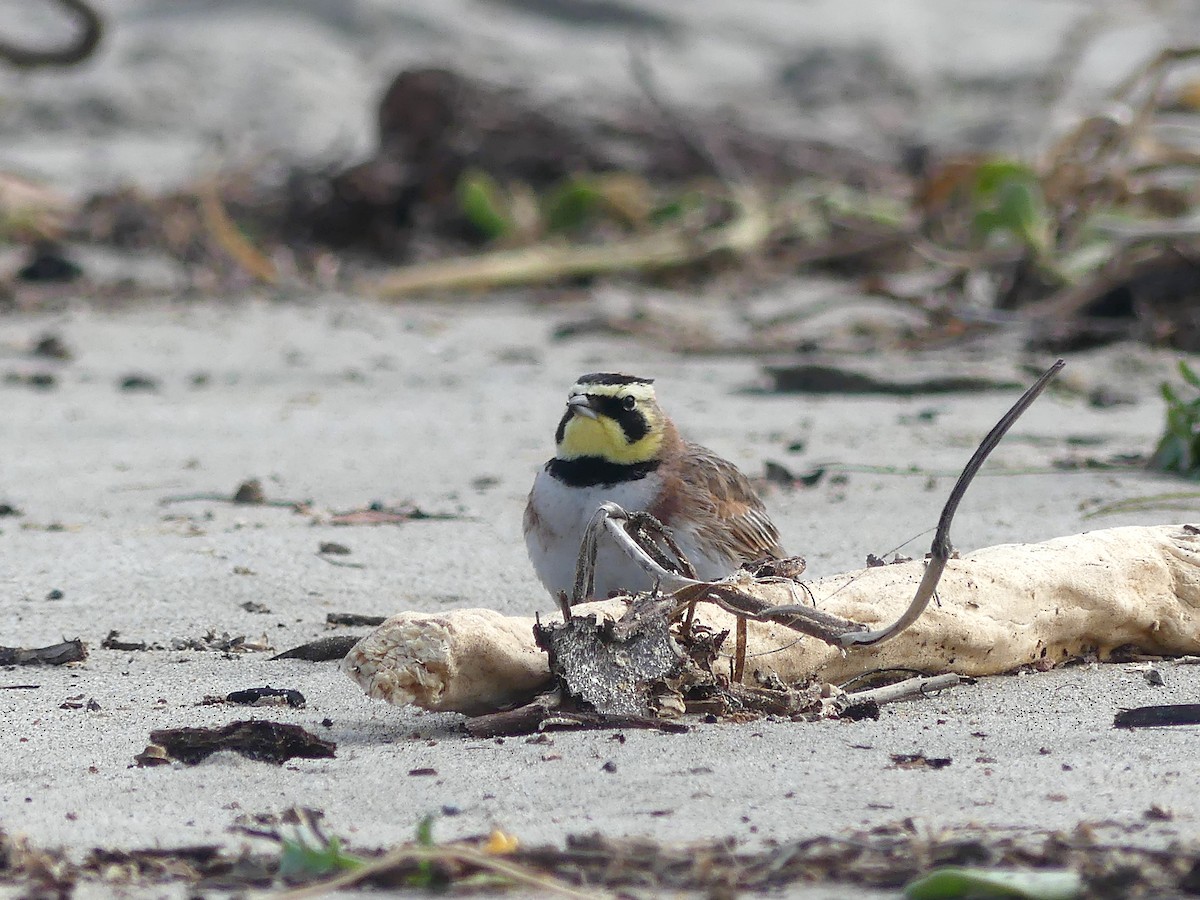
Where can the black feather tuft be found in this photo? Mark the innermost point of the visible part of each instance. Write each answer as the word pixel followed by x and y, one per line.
pixel 612 378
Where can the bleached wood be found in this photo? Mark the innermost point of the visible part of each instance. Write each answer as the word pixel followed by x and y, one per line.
pixel 1000 608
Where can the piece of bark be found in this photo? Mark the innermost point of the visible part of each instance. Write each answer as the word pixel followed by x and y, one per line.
pixel 613 670
pixel 322 649
pixel 54 655
pixel 1001 607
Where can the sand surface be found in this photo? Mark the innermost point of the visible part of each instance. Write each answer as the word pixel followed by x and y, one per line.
pixel 343 403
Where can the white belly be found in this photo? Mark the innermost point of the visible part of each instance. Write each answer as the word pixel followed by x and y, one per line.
pixel 563 514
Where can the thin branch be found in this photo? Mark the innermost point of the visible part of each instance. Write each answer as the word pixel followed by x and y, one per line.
pixel 724 167
pixel 902 690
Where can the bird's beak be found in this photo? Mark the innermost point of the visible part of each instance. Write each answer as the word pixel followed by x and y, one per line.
pixel 581 405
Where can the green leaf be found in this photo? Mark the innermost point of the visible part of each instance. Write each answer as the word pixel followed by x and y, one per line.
pixel 426 875
pixel 995 173
pixel 1009 200
pixel 1188 375
pixel 425 830
pixel 952 883
pixel 1178 447
pixel 677 208
pixel 571 204
pixel 301 861
pixel 483 203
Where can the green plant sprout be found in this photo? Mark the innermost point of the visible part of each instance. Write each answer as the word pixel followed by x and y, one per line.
pixel 303 860
pixel 1178 449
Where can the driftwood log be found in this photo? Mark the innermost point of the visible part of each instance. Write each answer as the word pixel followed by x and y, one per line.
pixel 1000 608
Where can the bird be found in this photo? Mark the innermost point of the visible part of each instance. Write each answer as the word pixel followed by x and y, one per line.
pixel 615 443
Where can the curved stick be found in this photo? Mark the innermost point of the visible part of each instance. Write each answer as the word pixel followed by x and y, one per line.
pixel 941 548
pixel 83 46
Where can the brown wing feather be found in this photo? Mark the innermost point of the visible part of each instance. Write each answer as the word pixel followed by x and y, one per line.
pixel 741 525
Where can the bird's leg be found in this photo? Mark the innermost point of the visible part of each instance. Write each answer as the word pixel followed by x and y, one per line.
pixel 739 651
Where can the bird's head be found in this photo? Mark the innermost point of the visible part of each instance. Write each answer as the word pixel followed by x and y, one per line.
pixel 613 417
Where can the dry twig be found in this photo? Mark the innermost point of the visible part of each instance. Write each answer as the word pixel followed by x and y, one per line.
pixel 230 238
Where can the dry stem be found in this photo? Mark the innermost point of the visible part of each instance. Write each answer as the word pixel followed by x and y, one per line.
pixel 749 229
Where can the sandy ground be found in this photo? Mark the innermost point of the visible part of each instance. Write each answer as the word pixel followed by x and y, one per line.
pixel 344 402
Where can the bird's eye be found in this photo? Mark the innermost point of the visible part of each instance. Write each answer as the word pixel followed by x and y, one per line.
pixel 629 402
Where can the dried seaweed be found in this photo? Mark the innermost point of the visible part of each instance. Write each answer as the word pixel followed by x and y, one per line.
pixel 611 666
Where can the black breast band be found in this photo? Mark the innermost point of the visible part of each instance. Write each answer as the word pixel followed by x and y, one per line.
pixel 589 471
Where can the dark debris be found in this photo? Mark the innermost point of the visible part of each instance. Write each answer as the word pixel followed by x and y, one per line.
pixel 611 666
pixel 267 696
pixel 113 642
pixel 1157 716
pixel 51 346
pixel 48 262
pixel 273 742
pixel 55 655
pixel 323 649
pixel 353 619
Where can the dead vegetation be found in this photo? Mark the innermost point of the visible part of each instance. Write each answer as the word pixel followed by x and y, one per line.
pixel 473 188
pixel 1106 858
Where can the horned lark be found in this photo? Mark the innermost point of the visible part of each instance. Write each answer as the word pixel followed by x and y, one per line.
pixel 615 444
